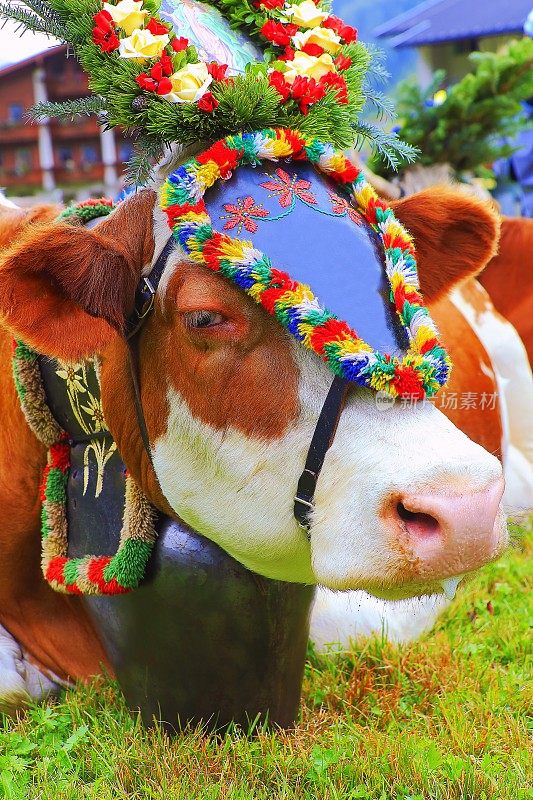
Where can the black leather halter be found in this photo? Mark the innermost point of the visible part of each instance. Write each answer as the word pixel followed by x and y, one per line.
pixel 326 424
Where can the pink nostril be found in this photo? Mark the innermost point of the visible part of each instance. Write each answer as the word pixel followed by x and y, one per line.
pixel 417 523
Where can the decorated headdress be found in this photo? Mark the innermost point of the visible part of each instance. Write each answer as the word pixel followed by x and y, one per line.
pixel 299 99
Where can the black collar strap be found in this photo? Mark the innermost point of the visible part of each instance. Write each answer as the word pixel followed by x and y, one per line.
pixel 322 440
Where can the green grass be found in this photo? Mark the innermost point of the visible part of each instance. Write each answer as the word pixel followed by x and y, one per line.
pixel 443 718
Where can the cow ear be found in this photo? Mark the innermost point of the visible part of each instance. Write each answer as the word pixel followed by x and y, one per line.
pixel 66 290
pixel 455 235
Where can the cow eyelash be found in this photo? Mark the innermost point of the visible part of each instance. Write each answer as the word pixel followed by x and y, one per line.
pixel 199 320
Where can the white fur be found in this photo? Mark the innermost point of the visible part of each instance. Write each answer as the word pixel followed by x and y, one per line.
pixel 239 491
pixel 515 394
pixel 20 681
pixel 5 202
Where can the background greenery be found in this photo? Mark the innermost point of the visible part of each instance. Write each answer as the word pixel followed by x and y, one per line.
pixel 443 718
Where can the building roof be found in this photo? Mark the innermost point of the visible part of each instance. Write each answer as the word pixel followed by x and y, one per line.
pixel 437 21
pixel 35 60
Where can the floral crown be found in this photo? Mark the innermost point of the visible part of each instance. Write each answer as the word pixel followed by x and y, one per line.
pixel 146 76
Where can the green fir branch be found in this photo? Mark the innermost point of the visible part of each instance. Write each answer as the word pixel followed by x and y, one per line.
pixel 68 109
pixel 29 21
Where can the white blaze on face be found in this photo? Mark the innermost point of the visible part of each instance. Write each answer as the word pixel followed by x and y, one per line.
pixel 239 491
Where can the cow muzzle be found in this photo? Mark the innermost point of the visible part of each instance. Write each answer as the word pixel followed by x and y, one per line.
pixel 447 534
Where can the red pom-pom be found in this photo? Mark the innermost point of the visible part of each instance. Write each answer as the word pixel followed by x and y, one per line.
pixel 156 27
pixel 332 330
pixel 225 157
pixel 54 571
pixel 408 384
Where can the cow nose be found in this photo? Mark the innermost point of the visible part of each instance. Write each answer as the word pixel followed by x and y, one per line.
pixel 452 533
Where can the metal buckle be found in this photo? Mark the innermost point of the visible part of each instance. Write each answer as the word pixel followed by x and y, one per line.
pixel 147 307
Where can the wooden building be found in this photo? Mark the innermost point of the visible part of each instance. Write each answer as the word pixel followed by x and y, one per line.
pixel 53 153
pixel 444 32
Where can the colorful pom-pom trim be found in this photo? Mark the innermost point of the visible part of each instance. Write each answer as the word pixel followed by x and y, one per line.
pixel 90 575
pixel 417 374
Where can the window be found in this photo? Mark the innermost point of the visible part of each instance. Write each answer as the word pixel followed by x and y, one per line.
pixel 22 161
pixel 66 159
pixel 15 112
pixel 125 151
pixel 89 154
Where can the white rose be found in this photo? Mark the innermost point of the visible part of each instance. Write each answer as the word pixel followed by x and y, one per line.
pixel 305 15
pixel 127 14
pixel 323 37
pixel 308 66
pixel 143 45
pixel 189 84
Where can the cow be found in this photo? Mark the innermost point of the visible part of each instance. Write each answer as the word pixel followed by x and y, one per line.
pixel 405 500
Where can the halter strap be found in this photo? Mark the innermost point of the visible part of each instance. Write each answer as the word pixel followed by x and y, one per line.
pixel 144 303
pixel 322 440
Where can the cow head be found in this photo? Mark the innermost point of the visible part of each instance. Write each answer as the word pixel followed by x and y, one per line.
pixel 404 499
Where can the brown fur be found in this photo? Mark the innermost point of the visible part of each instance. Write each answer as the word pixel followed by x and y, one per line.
pixel 455 235
pixel 241 375
pixel 508 278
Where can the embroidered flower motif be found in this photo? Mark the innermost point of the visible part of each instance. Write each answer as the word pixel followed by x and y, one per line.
pixel 243 214
pixel 341 207
pixel 94 410
pixel 72 375
pixel 287 189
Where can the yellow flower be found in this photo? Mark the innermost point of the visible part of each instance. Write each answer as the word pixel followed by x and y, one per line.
pixel 305 15
pixel 308 66
pixel 189 84
pixel 127 14
pixel 142 45
pixel 323 37
pixel 94 411
pixel 439 97
pixel 72 375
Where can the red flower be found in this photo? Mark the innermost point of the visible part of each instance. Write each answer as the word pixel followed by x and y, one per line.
pixel 306 91
pixel 156 27
pixel 288 54
pixel 146 82
pixel 104 32
pixel 287 189
pixel 277 80
pixel 167 65
pixel 346 32
pixel 313 49
pixel 270 4
pixel 179 44
pixel 277 33
pixel 218 71
pixel 243 214
pixel 207 102
pixel 343 207
pixel 342 62
pixel 333 81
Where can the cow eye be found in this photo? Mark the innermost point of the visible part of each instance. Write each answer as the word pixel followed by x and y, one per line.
pixel 196 320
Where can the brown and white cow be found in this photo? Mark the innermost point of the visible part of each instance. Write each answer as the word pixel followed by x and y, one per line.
pixel 405 500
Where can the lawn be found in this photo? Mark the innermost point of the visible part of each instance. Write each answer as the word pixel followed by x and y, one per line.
pixel 443 718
